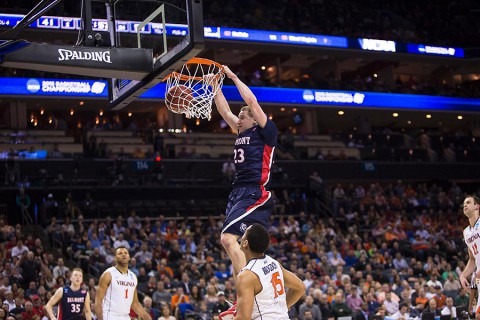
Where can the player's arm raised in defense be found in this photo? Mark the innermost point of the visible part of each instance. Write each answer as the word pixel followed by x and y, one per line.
pixel 139 309
pixel 87 310
pixel 103 283
pixel 52 302
pixel 248 97
pixel 469 268
pixel 248 285
pixel 296 287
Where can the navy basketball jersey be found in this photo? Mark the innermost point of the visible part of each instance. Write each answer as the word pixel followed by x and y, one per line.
pixel 72 304
pixel 253 154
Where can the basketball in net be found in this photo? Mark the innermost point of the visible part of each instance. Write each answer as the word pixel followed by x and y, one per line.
pixel 179 98
pixel 191 90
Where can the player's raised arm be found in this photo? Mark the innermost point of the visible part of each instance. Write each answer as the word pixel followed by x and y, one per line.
pixel 52 302
pixel 87 309
pixel 248 97
pixel 224 110
pixel 103 284
pixel 139 309
pixel 296 287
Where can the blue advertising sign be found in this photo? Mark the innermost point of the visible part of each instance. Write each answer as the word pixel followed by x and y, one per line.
pixel 281 96
pixel 237 34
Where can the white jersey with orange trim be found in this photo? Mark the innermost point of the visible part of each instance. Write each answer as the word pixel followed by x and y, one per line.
pixel 471 236
pixel 119 296
pixel 271 302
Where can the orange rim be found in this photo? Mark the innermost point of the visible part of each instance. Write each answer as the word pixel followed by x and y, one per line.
pixel 195 60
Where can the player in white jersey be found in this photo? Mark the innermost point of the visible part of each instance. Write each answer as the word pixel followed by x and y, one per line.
pixel 265 290
pixel 117 291
pixel 471 235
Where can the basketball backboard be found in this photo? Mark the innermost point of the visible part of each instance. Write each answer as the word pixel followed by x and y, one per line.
pixel 133 43
pixel 173 29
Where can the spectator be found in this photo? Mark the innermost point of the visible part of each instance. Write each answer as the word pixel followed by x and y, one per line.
pixel 147 304
pixel 362 314
pixel 9 300
pixel 23 202
pixel 462 299
pixel 30 268
pixel 391 306
pixel 221 305
pixel 449 309
pixel 340 308
pixel 434 282
pixel 402 313
pixel 440 297
pixel 325 307
pixel 223 273
pixel 354 301
pixel 452 284
pixel 372 303
pixel 178 298
pixel 161 296
pixel 60 270
pixel 166 313
pixel 29 314
pixel 121 242
pixel 19 249
pixel 432 308
pixel 19 308
pixel 308 305
pixel 399 262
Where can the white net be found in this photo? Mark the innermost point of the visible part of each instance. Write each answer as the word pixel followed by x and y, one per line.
pixel 191 90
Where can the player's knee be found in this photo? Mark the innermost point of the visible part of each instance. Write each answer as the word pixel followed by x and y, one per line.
pixel 227 240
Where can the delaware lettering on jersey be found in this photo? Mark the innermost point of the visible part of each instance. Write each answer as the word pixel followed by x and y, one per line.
pixel 72 304
pixel 253 154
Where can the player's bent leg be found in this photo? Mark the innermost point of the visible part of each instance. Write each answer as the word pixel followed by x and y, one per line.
pixel 232 247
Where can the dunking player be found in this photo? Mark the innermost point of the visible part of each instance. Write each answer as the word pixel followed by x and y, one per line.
pixel 262 285
pixel 249 201
pixel 73 301
pixel 117 291
pixel 471 234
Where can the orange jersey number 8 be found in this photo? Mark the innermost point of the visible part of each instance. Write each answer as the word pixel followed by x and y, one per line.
pixel 277 284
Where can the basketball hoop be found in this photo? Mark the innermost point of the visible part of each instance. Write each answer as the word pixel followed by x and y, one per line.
pixel 191 90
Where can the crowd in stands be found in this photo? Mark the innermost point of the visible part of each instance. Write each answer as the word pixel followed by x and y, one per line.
pixel 390 250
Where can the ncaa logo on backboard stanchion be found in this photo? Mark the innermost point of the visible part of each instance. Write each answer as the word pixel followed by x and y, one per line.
pixel 33 85
pixel 308 96
pixel 243 227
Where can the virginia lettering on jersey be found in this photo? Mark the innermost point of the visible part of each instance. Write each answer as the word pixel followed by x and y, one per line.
pixel 126 283
pixel 269 268
pixel 243 140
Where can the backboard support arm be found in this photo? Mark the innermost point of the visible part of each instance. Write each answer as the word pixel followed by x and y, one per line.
pixel 37 11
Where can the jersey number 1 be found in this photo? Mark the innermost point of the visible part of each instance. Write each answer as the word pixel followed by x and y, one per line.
pixel 475 249
pixel 277 284
pixel 126 293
